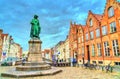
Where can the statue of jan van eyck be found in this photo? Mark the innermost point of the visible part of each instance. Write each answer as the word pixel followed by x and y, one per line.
pixel 35 28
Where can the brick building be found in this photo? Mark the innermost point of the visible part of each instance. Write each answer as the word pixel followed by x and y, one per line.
pixel 73 43
pixel 99 40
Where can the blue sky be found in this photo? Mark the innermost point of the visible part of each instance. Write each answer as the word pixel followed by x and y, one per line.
pixel 54 17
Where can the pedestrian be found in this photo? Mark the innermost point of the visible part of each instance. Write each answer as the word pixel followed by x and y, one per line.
pixel 107 68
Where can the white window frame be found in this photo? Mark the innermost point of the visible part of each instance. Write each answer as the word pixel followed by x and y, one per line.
pixel 91 35
pixel 93 50
pixel 91 22
pixel 106 49
pixel 116 50
pixel 110 11
pixel 97 32
pixel 99 49
pixel 113 27
pixel 104 30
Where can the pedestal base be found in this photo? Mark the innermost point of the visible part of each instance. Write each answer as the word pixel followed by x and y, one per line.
pixel 34 57
pixel 18 74
pixel 35 66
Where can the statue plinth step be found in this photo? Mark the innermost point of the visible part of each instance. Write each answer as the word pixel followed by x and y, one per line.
pixel 33 68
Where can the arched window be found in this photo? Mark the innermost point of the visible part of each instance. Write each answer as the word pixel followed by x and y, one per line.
pixel 110 11
pixel 91 23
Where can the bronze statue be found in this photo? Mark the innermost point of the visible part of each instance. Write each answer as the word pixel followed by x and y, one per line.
pixel 35 28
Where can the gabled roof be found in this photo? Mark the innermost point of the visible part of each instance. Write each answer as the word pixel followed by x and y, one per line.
pixel 85 28
pixel 114 3
pixel 97 16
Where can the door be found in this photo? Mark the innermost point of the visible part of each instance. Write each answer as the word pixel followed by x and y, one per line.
pixel 88 53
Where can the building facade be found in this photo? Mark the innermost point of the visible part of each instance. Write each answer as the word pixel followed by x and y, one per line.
pixel 66 50
pixel 5 46
pixel 73 41
pixel 61 51
pixel 8 48
pixel 99 40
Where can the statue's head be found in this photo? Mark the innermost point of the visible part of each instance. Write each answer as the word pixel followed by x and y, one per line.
pixel 35 16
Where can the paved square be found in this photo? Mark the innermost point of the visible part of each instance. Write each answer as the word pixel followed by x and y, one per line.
pixel 70 73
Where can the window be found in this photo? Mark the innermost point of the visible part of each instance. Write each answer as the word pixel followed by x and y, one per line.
pixel 104 30
pixel 80 30
pixel 100 62
pixel 91 22
pixel 79 40
pixel 77 31
pixel 106 49
pixel 112 27
pixel 99 49
pixel 97 32
pixel 93 61
pixel 117 63
pixel 82 50
pixel 82 38
pixel 115 47
pixel 86 36
pixel 110 12
pixel 93 50
pixel 91 35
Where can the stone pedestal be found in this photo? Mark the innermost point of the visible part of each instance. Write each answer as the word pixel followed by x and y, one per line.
pixel 35 54
pixel 35 66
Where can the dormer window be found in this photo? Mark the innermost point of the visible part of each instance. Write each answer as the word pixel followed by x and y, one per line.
pixel 91 22
pixel 110 12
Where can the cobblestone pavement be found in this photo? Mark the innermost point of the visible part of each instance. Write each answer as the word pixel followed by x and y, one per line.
pixel 71 73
